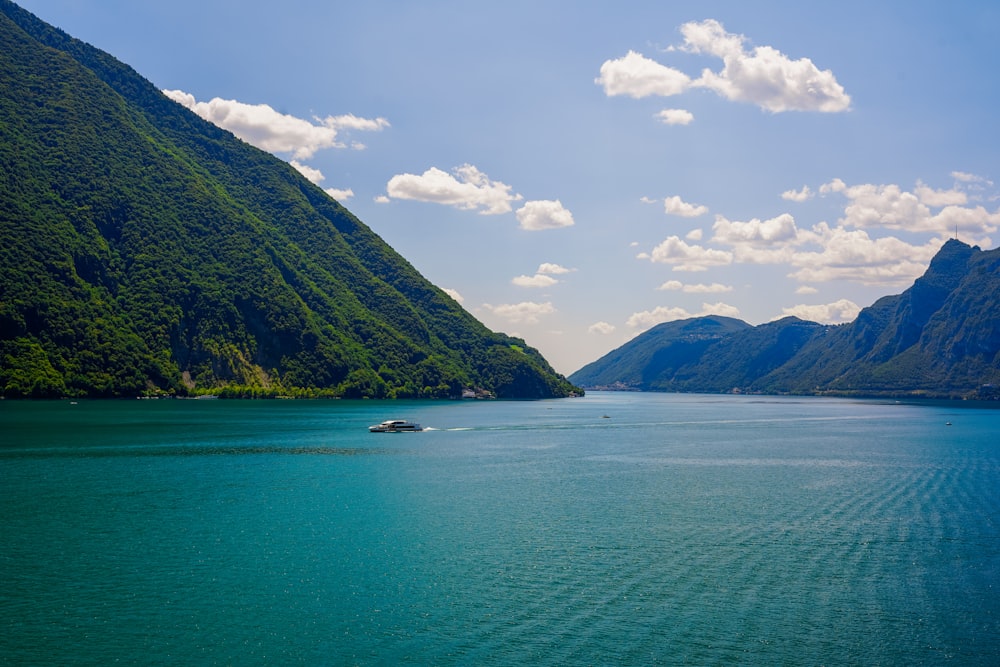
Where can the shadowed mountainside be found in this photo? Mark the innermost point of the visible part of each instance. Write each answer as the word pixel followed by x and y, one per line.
pixel 941 337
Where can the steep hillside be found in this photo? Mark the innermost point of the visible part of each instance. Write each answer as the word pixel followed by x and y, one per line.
pixel 941 337
pixel 653 359
pixel 144 250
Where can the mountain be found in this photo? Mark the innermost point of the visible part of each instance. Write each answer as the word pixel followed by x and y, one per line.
pixel 144 250
pixel 652 360
pixel 941 337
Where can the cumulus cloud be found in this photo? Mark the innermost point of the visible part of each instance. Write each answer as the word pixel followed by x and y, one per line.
pixel 675 117
pixel 340 195
pixel 544 214
pixel 526 312
pixel 660 314
pixel 602 328
pixel 966 177
pixel 779 229
pixel 797 195
pixel 837 312
pixel 806 289
pixel 553 269
pixel 763 76
pixel 884 206
pixel 677 206
pixel 854 249
pixel 836 185
pixel 844 251
pixel 537 280
pixel 637 76
pixel 543 276
pixel 465 188
pixel 264 127
pixel 853 255
pixel 676 285
pixel 454 294
pixel 890 206
pixel 314 175
pixel 938 198
pixel 687 257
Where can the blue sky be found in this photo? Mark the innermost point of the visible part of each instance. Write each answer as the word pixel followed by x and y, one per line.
pixel 577 172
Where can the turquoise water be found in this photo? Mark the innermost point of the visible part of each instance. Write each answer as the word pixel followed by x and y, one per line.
pixel 615 529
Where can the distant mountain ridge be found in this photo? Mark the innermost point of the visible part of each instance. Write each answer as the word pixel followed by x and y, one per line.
pixel 144 250
pixel 939 338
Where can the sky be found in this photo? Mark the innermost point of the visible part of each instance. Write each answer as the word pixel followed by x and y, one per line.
pixel 575 173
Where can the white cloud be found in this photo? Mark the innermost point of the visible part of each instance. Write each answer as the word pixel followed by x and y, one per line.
pixel 891 207
pixel 937 198
pixel 836 185
pixel 765 76
pixel 675 117
pixel 686 257
pixel 837 312
pixel 780 229
pixel 966 177
pixel 694 235
pixel 847 251
pixel 970 220
pixel 853 255
pixel 314 175
pixel 467 189
pixel 537 280
pixel 649 318
pixel 553 269
pixel 637 76
pixel 272 131
pixel 884 206
pixel 352 122
pixel 676 285
pixel 454 294
pixel 602 328
pixel 381 199
pixel 544 214
pixel 806 289
pixel 797 195
pixel 340 195
pixel 526 312
pixel 676 206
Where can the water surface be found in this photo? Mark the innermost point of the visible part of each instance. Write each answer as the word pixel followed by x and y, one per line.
pixel 618 528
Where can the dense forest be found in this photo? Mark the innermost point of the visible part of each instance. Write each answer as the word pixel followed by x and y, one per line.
pixel 939 338
pixel 144 251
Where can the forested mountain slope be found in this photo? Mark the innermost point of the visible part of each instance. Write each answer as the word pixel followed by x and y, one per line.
pixel 145 250
pixel 941 338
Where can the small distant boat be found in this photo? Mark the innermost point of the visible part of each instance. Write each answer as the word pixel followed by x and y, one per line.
pixel 395 426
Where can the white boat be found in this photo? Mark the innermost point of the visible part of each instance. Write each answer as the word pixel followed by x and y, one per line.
pixel 395 426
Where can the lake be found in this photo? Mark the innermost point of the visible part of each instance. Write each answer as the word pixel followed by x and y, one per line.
pixel 613 529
